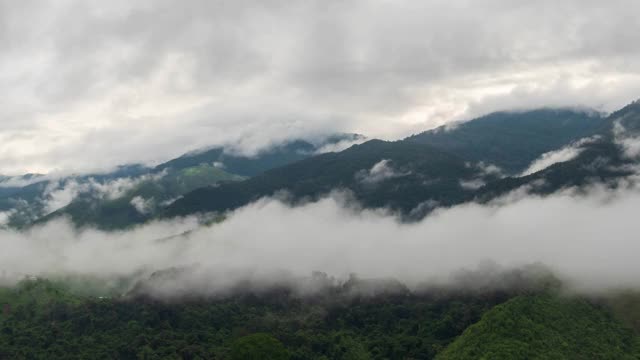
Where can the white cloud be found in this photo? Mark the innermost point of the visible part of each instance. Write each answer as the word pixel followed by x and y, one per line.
pixel 113 189
pixel 60 193
pixel 22 181
pixel 589 240
pixel 5 217
pixel 485 172
pixel 381 171
pixel 473 184
pixel 341 145
pixel 142 205
pixel 487 169
pixel 564 154
pixel 161 78
pixel 628 142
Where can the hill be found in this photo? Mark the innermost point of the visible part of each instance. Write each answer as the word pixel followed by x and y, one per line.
pixel 400 175
pixel 512 140
pixel 90 199
pixel 545 327
pixel 442 167
pixel 139 203
pixel 276 156
pixel 432 174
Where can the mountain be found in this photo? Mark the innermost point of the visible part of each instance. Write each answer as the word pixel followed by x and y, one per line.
pixel 460 165
pixel 512 140
pixel 160 186
pixel 520 315
pixel 601 160
pixel 545 327
pixel 27 198
pixel 598 163
pixel 475 161
pixel 273 157
pixel 628 117
pixel 139 202
pixel 400 175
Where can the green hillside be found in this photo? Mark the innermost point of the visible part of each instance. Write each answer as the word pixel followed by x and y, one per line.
pixel 267 159
pixel 599 162
pixel 151 194
pixel 545 327
pixel 414 173
pixel 435 165
pixel 26 205
pixel 41 319
pixel 335 325
pixel 512 140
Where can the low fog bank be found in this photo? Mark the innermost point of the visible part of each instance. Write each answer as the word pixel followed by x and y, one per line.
pixel 589 239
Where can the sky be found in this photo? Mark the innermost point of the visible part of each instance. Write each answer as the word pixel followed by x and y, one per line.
pixel 90 84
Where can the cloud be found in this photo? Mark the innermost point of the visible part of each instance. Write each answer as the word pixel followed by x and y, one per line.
pixel 381 171
pixel 566 153
pixel 628 141
pixel 5 217
pixel 587 239
pixel 61 192
pixel 487 169
pixel 473 184
pixel 57 195
pixel 485 172
pixel 159 78
pixel 142 205
pixel 22 181
pixel 341 145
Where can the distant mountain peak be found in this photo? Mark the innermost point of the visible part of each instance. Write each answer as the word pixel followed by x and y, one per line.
pixel 513 139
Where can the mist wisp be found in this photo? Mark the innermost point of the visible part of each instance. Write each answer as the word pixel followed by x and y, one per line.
pixel 589 239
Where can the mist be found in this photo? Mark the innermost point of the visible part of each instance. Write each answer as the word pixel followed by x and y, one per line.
pixel 587 239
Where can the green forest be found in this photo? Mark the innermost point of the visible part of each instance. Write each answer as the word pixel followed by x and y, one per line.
pixel 43 319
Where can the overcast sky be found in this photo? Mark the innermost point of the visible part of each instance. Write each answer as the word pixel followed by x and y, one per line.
pixel 90 84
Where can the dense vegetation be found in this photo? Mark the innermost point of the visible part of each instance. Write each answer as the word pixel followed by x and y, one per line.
pixel 437 168
pixel 545 327
pixel 156 187
pixel 253 165
pixel 432 168
pixel 512 140
pixel 43 320
pixel 154 194
pixel 418 173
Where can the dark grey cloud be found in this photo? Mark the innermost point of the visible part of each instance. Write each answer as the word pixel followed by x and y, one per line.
pixel 93 83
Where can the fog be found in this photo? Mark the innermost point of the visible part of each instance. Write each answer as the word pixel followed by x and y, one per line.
pixel 563 154
pixel 588 240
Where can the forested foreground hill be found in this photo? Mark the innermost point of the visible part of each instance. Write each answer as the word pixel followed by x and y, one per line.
pixel 44 320
pixel 545 327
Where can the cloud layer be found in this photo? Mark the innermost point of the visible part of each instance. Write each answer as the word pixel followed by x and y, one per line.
pixel 588 239
pixel 91 84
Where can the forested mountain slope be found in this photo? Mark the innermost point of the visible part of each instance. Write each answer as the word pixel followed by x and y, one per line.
pixel 155 188
pixel 422 176
pixel 512 140
pixel 400 175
